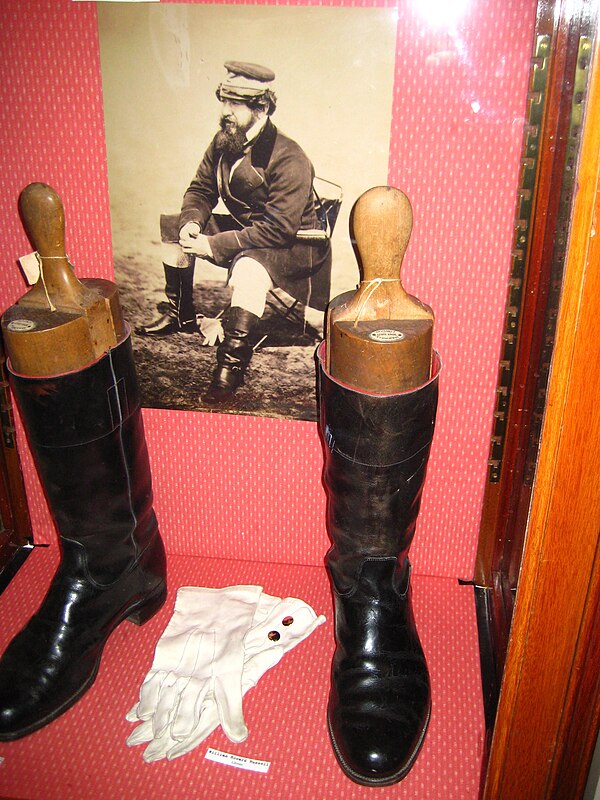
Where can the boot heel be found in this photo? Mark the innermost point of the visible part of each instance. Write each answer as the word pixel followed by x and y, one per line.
pixel 149 607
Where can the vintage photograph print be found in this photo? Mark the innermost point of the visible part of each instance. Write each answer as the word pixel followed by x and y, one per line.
pixel 238 139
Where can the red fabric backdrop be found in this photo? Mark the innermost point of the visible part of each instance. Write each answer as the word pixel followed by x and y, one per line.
pixel 459 101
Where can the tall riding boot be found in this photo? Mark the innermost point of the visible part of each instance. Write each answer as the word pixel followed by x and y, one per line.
pixel 180 316
pixel 376 451
pixel 86 434
pixel 233 355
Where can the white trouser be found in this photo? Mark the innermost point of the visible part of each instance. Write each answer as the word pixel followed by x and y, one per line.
pixel 251 283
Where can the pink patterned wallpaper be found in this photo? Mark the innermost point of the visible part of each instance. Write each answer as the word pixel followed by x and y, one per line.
pixel 248 487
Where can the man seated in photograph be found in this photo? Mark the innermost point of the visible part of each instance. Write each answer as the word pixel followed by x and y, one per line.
pixel 265 181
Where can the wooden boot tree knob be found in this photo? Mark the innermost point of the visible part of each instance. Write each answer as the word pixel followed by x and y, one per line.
pixel 380 337
pixel 62 323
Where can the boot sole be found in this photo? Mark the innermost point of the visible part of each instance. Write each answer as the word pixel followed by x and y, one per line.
pixel 388 780
pixel 139 613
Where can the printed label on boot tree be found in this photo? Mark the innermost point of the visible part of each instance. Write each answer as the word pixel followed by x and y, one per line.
pixel 386 335
pixel 21 325
pixel 240 762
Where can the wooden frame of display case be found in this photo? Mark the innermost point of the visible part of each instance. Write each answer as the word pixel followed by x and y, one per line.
pixel 539 545
pixel 16 537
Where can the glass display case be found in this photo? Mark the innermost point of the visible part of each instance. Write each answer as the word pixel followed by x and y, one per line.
pixel 482 112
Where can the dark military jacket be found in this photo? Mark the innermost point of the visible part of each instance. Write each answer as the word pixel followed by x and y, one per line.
pixel 270 198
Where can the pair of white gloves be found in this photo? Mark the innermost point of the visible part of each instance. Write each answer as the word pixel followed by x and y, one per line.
pixel 217 646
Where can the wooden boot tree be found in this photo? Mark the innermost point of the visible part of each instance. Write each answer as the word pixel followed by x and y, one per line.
pixel 379 339
pixel 62 323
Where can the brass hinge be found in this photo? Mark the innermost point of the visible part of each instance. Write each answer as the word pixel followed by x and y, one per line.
pixel 536 99
pixel 559 254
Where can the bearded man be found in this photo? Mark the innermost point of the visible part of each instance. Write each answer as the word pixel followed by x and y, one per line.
pixel 267 239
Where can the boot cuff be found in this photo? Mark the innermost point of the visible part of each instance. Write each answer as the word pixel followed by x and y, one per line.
pixel 376 429
pixel 77 407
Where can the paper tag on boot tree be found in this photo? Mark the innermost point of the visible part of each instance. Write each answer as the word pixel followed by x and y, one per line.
pixel 30 264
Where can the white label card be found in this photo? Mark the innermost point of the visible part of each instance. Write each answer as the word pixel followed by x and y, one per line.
pixel 241 762
pixel 31 267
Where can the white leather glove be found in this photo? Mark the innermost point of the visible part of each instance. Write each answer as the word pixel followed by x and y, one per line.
pixel 278 626
pixel 201 652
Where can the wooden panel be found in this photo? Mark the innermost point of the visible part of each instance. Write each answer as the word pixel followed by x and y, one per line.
pixel 553 629
pixel 543 161
pixel 15 524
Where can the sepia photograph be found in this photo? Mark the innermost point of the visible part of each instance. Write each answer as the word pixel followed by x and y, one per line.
pixel 238 139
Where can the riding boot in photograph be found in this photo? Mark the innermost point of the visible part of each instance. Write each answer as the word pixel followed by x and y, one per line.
pixel 180 316
pixel 376 450
pixel 86 434
pixel 233 355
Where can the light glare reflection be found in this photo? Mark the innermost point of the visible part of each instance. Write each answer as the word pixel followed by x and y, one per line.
pixel 442 13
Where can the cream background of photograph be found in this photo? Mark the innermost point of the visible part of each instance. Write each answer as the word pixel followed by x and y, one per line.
pixel 162 64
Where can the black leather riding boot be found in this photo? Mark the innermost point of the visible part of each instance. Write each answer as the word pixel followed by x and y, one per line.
pixel 233 355
pixel 180 316
pixel 86 433
pixel 376 451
